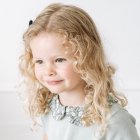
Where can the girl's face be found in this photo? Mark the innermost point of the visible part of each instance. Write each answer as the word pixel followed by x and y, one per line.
pixel 53 64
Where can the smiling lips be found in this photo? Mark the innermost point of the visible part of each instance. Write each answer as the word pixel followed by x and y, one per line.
pixel 54 82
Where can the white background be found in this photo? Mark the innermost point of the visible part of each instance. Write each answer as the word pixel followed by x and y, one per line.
pixel 118 22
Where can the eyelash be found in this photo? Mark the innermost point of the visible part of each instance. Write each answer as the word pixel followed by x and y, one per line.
pixel 39 61
pixel 58 60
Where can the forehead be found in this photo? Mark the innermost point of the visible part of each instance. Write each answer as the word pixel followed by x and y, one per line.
pixel 49 43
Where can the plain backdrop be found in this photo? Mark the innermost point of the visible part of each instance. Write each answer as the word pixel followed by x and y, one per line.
pixel 118 22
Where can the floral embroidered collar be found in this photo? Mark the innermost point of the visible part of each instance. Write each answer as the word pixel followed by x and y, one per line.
pixel 60 111
pixel 74 114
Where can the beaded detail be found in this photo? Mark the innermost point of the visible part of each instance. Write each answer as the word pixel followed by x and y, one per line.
pixel 60 111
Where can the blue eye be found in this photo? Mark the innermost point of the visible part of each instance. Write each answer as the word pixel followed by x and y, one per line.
pixel 39 61
pixel 60 60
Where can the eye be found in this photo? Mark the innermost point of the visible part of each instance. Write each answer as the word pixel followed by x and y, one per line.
pixel 60 60
pixel 39 61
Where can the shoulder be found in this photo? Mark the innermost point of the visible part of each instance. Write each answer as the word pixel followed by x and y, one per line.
pixel 46 116
pixel 119 114
pixel 121 124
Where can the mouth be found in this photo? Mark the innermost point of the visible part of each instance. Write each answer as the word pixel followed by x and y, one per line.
pixel 54 82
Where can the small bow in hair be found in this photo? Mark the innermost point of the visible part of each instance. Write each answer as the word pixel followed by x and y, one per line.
pixel 30 22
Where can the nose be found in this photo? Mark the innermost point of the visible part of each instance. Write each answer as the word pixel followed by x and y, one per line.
pixel 49 69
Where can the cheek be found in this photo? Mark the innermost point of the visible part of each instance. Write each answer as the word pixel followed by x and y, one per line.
pixel 69 73
pixel 37 73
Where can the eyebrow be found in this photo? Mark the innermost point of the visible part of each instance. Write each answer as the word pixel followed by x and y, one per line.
pixel 36 58
pixel 51 56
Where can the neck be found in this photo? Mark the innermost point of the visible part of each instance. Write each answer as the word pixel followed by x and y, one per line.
pixel 72 99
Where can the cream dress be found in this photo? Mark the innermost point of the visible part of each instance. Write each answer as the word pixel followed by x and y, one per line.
pixel 121 126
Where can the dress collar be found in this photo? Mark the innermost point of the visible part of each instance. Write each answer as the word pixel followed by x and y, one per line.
pixel 74 114
pixel 60 111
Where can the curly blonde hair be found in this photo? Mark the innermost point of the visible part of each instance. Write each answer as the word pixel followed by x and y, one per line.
pixel 80 31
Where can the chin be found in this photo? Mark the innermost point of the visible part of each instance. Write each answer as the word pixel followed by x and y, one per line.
pixel 57 91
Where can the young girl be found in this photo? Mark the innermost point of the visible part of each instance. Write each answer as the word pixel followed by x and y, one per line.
pixel 69 80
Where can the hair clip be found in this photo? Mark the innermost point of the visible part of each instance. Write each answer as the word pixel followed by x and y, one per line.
pixel 30 22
